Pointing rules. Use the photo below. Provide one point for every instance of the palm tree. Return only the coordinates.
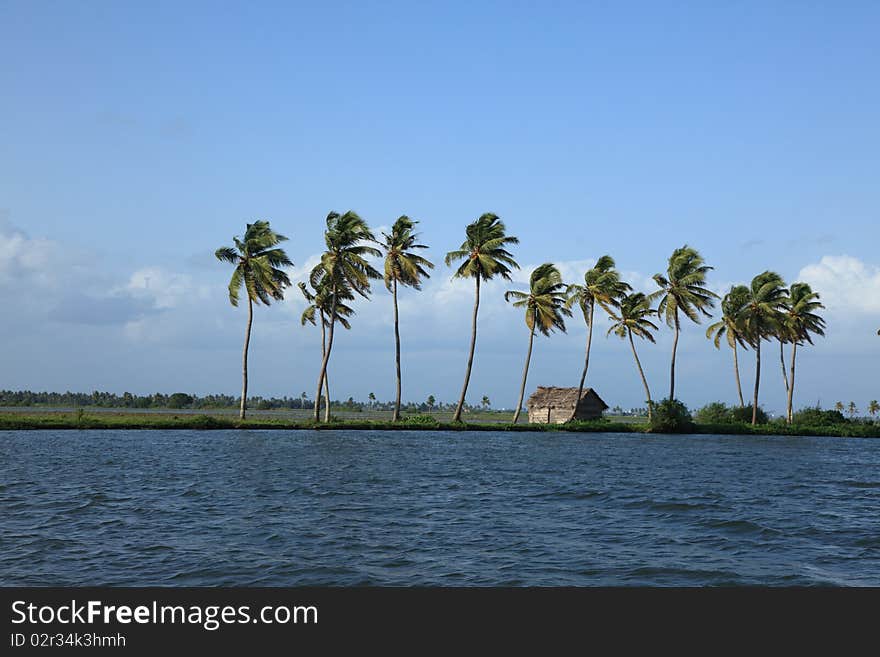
(799, 322)
(602, 285)
(730, 326)
(873, 407)
(484, 258)
(852, 409)
(545, 306)
(344, 269)
(430, 402)
(839, 407)
(258, 268)
(402, 266)
(761, 318)
(631, 319)
(319, 305)
(683, 289)
(485, 403)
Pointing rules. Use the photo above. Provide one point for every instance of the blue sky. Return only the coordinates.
(135, 138)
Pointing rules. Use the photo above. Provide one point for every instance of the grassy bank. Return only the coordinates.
(31, 421)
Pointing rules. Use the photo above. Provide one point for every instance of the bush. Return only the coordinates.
(421, 420)
(744, 414)
(714, 413)
(671, 416)
(816, 417)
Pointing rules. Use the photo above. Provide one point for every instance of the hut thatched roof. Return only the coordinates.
(549, 396)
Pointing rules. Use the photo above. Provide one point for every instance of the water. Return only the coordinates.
(490, 508)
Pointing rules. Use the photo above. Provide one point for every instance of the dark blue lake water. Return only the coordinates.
(334, 508)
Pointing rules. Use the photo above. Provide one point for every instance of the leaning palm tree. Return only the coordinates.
(800, 321)
(683, 289)
(602, 285)
(403, 266)
(484, 258)
(545, 306)
(761, 319)
(730, 326)
(343, 267)
(319, 309)
(873, 407)
(258, 264)
(631, 319)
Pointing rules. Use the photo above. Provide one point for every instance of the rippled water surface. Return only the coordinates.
(302, 508)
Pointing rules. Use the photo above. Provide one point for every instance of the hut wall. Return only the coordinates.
(557, 415)
(589, 409)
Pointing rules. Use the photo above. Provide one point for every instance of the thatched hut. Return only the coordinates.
(549, 405)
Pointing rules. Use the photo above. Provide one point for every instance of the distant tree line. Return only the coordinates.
(184, 400)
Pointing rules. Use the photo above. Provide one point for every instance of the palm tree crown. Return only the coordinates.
(258, 264)
(344, 262)
(800, 318)
(602, 285)
(683, 287)
(483, 251)
(545, 302)
(401, 263)
(733, 307)
(767, 298)
(632, 316)
(320, 304)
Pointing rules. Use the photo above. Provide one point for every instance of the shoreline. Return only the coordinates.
(25, 421)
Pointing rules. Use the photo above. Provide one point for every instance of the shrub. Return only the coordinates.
(816, 417)
(421, 420)
(744, 414)
(714, 413)
(671, 416)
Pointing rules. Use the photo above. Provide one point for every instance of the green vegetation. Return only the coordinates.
(730, 326)
(683, 289)
(258, 268)
(720, 413)
(485, 257)
(632, 318)
(545, 308)
(343, 271)
(602, 285)
(403, 266)
(671, 416)
(421, 422)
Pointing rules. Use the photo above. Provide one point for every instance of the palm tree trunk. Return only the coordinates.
(244, 358)
(522, 388)
(674, 349)
(782, 360)
(789, 416)
(470, 362)
(326, 374)
(322, 375)
(586, 359)
(641, 373)
(757, 383)
(396, 416)
(739, 389)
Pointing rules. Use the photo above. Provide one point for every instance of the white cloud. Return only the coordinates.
(164, 288)
(25, 260)
(846, 284)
